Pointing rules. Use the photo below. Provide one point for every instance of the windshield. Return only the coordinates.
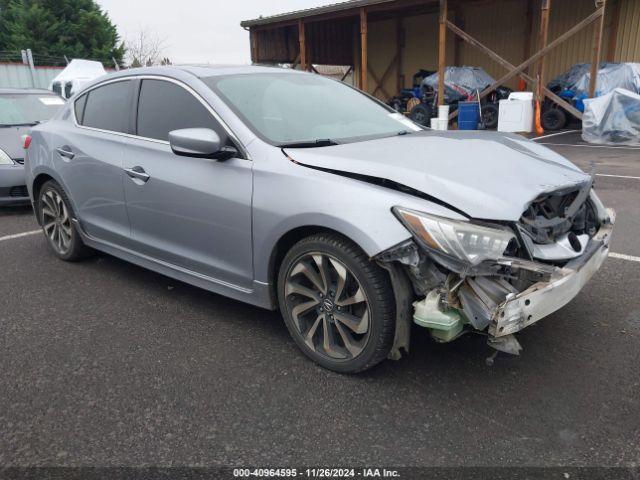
(27, 108)
(287, 108)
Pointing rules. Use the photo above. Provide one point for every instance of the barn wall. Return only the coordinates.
(628, 38)
(501, 25)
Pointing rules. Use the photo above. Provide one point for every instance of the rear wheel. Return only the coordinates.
(553, 119)
(56, 217)
(337, 305)
(421, 114)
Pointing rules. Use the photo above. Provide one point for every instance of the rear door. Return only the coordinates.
(90, 159)
(194, 213)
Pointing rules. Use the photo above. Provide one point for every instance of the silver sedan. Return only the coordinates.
(295, 192)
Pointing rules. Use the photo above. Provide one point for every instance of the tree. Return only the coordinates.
(145, 49)
(58, 28)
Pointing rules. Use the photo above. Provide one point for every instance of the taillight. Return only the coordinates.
(26, 141)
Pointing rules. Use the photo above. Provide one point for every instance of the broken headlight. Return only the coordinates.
(463, 240)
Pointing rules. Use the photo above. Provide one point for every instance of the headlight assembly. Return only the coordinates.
(463, 240)
(5, 159)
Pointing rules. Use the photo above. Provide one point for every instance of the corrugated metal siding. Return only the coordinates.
(500, 26)
(421, 45)
(18, 76)
(628, 42)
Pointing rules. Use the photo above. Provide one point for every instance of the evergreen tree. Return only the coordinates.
(75, 28)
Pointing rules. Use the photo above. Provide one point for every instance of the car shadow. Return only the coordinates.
(463, 360)
(16, 211)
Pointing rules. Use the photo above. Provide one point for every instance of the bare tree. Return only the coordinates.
(144, 49)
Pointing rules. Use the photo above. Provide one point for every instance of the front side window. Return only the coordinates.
(165, 106)
(287, 108)
(108, 107)
(28, 108)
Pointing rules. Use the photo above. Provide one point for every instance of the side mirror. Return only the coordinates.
(201, 143)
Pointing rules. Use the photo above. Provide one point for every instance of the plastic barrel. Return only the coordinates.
(468, 115)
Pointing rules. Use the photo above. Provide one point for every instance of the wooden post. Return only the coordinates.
(442, 50)
(597, 49)
(544, 35)
(363, 50)
(253, 36)
(303, 45)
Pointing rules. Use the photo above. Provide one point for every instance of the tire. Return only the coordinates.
(55, 215)
(396, 104)
(490, 115)
(553, 119)
(359, 317)
(421, 114)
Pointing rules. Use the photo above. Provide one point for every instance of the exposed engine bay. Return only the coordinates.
(559, 242)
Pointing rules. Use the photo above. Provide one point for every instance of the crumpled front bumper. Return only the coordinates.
(543, 298)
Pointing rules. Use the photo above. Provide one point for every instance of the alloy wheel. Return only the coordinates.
(56, 221)
(328, 306)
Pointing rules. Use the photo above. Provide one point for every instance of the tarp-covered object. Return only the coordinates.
(461, 82)
(612, 119)
(76, 74)
(610, 77)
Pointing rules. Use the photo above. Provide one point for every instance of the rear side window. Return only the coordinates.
(79, 108)
(165, 106)
(108, 107)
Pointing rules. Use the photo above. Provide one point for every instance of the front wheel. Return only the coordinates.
(337, 305)
(56, 214)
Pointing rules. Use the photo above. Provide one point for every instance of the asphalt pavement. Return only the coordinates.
(106, 364)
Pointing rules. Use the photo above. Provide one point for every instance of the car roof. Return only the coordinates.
(36, 91)
(201, 71)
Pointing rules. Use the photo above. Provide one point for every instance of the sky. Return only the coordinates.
(198, 31)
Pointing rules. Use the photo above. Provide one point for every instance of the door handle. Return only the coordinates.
(65, 151)
(137, 173)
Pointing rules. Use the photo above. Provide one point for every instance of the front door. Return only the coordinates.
(193, 213)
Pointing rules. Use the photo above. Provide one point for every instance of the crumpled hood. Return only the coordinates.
(11, 140)
(486, 175)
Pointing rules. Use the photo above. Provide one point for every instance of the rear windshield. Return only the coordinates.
(27, 108)
(284, 108)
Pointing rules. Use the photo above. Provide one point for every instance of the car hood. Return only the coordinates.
(11, 140)
(486, 175)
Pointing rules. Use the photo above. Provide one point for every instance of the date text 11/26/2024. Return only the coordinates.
(315, 473)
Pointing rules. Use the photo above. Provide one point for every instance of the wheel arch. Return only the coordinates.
(38, 181)
(284, 244)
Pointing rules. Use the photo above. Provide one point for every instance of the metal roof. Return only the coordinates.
(310, 12)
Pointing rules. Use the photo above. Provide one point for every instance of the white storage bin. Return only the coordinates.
(516, 113)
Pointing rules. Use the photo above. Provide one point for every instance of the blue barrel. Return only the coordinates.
(468, 115)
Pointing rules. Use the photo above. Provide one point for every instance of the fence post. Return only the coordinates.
(32, 67)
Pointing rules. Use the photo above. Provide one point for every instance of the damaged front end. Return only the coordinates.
(499, 277)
